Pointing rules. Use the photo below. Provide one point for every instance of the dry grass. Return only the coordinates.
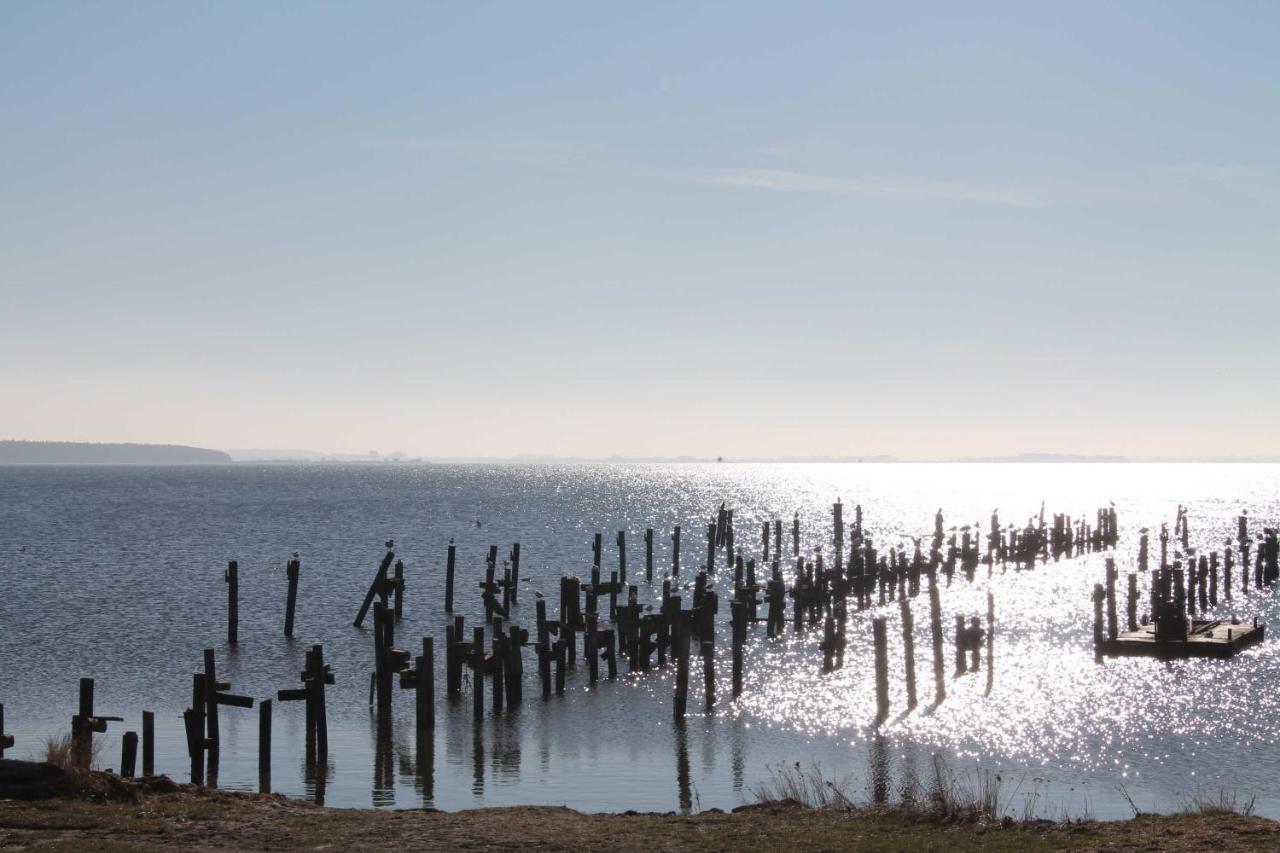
(59, 750)
(1228, 801)
(947, 797)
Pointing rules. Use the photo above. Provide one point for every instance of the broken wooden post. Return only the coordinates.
(622, 555)
(84, 724)
(648, 554)
(680, 650)
(264, 746)
(128, 754)
(1099, 596)
(379, 587)
(399, 589)
(738, 614)
(232, 578)
(314, 677)
(514, 558)
(1131, 603)
(148, 743)
(1112, 621)
(292, 570)
(449, 561)
(6, 740)
(879, 639)
(544, 648)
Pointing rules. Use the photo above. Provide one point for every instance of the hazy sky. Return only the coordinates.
(736, 229)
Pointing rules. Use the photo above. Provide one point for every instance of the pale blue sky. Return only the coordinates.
(740, 229)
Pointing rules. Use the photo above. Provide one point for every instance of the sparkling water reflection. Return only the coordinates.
(117, 573)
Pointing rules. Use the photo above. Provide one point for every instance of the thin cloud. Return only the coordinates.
(779, 180)
(1218, 170)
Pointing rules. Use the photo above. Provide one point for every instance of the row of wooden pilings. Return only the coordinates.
(859, 576)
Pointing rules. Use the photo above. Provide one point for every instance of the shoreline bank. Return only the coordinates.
(105, 813)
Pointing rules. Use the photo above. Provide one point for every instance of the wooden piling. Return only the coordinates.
(292, 570)
(399, 590)
(544, 648)
(148, 743)
(264, 746)
(622, 556)
(680, 650)
(232, 578)
(449, 561)
(1131, 603)
(675, 552)
(378, 587)
(128, 754)
(648, 554)
(962, 636)
(1112, 622)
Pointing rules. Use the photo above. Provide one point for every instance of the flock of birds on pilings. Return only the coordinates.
(603, 621)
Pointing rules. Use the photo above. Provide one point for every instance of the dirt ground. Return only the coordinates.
(192, 819)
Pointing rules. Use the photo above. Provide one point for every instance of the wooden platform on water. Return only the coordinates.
(1206, 640)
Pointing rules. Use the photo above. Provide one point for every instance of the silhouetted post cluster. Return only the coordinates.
(201, 719)
(314, 676)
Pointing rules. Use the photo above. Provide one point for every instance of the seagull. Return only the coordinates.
(391, 543)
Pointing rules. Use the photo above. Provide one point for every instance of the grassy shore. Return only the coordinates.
(192, 819)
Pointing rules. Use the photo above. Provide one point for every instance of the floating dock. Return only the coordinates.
(1207, 639)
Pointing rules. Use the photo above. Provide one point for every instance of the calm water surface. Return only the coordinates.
(116, 573)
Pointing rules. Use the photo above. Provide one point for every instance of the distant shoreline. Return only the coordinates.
(67, 453)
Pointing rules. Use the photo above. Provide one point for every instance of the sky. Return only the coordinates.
(920, 230)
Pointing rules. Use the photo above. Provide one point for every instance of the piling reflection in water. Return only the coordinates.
(315, 779)
(684, 787)
(384, 782)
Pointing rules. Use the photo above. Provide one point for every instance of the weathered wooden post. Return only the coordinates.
(1099, 595)
(1131, 603)
(148, 743)
(589, 649)
(544, 648)
(264, 746)
(1112, 621)
(738, 613)
(84, 724)
(514, 558)
(377, 588)
(879, 639)
(232, 578)
(795, 535)
(128, 754)
(908, 650)
(292, 570)
(449, 561)
(648, 554)
(675, 552)
(939, 657)
(764, 541)
(837, 518)
(709, 669)
(622, 556)
(6, 740)
(680, 650)
(399, 590)
(962, 641)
